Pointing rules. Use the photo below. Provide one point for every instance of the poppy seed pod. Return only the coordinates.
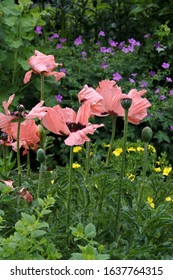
(20, 108)
(126, 103)
(4, 136)
(41, 155)
(146, 134)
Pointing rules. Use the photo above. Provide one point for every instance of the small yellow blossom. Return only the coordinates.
(167, 170)
(157, 169)
(91, 154)
(158, 162)
(131, 177)
(77, 149)
(52, 182)
(117, 151)
(131, 149)
(151, 148)
(168, 198)
(51, 172)
(76, 165)
(140, 149)
(150, 202)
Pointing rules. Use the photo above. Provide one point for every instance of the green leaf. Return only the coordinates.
(90, 231)
(37, 233)
(28, 218)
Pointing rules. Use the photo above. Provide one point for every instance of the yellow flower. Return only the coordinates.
(76, 165)
(151, 148)
(158, 162)
(168, 198)
(52, 182)
(157, 169)
(77, 149)
(140, 149)
(167, 170)
(131, 149)
(150, 202)
(117, 151)
(131, 177)
(91, 154)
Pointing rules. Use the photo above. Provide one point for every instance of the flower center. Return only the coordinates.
(73, 127)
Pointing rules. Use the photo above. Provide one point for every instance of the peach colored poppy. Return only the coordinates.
(28, 135)
(25, 194)
(9, 183)
(42, 64)
(36, 112)
(138, 109)
(66, 122)
(5, 119)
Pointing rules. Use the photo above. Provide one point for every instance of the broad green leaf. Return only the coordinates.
(90, 231)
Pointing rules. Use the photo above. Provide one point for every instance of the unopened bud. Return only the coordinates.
(146, 134)
(4, 136)
(126, 103)
(41, 155)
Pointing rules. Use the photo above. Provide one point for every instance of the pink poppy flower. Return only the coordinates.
(42, 64)
(37, 112)
(138, 109)
(25, 194)
(67, 122)
(112, 95)
(28, 135)
(9, 183)
(5, 119)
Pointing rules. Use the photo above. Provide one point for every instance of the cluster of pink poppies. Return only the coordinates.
(103, 101)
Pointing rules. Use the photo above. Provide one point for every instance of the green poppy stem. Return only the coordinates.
(87, 162)
(122, 173)
(28, 164)
(69, 190)
(4, 148)
(143, 172)
(40, 179)
(111, 140)
(42, 87)
(18, 150)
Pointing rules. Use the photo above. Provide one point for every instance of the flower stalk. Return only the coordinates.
(42, 87)
(69, 190)
(87, 162)
(126, 103)
(111, 140)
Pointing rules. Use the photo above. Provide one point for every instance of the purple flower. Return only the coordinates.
(59, 46)
(133, 42)
(58, 98)
(171, 127)
(104, 65)
(78, 41)
(147, 35)
(125, 50)
(55, 35)
(62, 40)
(112, 43)
(117, 76)
(165, 65)
(157, 90)
(63, 70)
(121, 45)
(131, 80)
(134, 74)
(169, 79)
(152, 73)
(162, 97)
(157, 45)
(171, 92)
(38, 30)
(105, 50)
(102, 33)
(143, 83)
(131, 48)
(84, 55)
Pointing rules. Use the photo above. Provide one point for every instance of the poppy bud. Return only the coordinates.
(20, 108)
(146, 134)
(126, 103)
(41, 155)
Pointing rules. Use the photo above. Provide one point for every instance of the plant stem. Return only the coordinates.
(28, 164)
(42, 88)
(122, 172)
(144, 172)
(87, 162)
(111, 140)
(18, 150)
(69, 190)
(40, 179)
(5, 159)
